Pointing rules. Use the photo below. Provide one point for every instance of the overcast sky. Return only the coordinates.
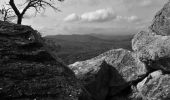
(95, 16)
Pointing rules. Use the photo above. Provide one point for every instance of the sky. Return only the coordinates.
(118, 17)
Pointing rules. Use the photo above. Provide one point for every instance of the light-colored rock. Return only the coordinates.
(161, 21)
(154, 87)
(153, 49)
(120, 68)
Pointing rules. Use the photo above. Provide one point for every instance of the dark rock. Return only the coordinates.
(153, 49)
(161, 21)
(98, 85)
(154, 87)
(113, 71)
(119, 98)
(29, 71)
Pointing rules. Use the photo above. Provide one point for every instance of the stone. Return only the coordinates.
(119, 67)
(152, 49)
(29, 71)
(161, 21)
(156, 86)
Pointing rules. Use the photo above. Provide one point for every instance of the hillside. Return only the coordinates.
(29, 70)
(81, 47)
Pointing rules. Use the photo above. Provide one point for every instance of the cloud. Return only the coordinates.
(72, 17)
(101, 15)
(132, 18)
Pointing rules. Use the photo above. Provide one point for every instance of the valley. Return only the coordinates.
(74, 48)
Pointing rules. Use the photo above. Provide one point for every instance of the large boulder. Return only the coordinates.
(111, 72)
(29, 71)
(156, 86)
(153, 49)
(161, 21)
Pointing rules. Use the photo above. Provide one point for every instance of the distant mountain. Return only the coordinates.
(76, 37)
(112, 37)
(81, 47)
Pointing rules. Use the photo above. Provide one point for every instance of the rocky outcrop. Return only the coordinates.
(153, 49)
(156, 86)
(29, 71)
(141, 74)
(109, 73)
(161, 21)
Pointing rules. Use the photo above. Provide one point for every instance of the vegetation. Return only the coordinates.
(6, 13)
(72, 48)
(38, 5)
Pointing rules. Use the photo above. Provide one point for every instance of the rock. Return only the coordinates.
(119, 98)
(161, 21)
(119, 67)
(29, 71)
(153, 49)
(154, 87)
(98, 85)
(96, 81)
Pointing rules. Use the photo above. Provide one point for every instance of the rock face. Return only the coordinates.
(161, 21)
(153, 49)
(109, 72)
(153, 46)
(156, 86)
(29, 71)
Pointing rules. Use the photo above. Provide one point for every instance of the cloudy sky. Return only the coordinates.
(95, 16)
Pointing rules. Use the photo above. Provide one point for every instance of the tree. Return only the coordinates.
(38, 5)
(6, 13)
